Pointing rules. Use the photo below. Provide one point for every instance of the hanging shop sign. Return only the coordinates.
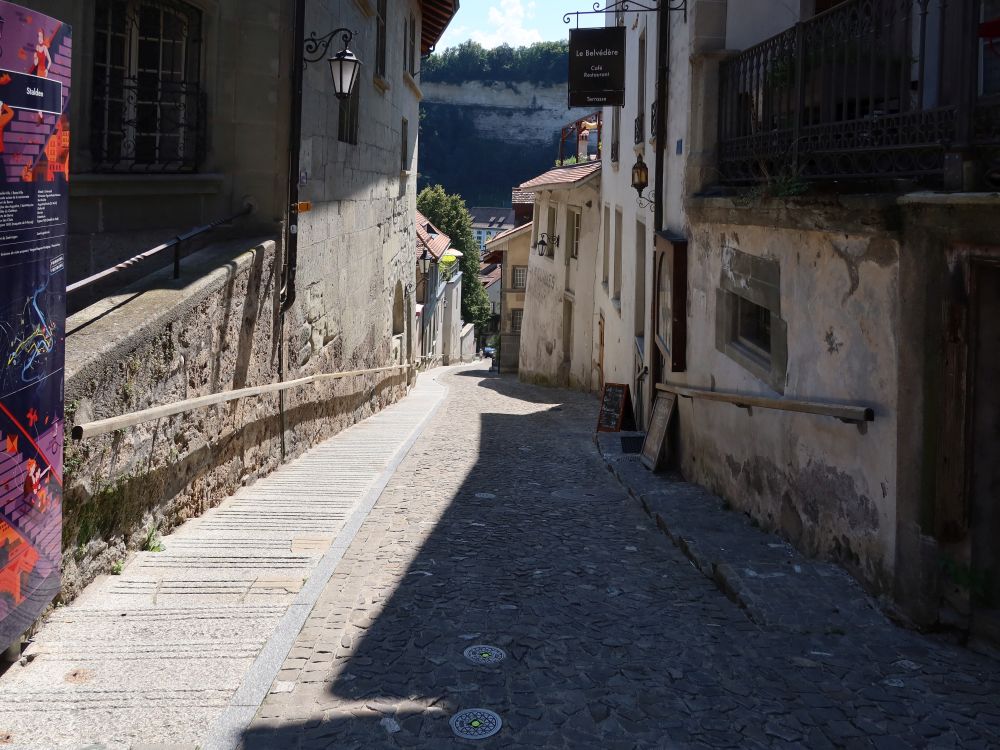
(35, 59)
(597, 67)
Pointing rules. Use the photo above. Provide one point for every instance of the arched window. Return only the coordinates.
(148, 113)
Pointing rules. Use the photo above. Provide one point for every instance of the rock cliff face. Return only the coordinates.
(481, 139)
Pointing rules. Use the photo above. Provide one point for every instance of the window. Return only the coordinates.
(347, 127)
(412, 50)
(640, 126)
(640, 278)
(380, 38)
(405, 147)
(148, 112)
(618, 256)
(752, 327)
(607, 246)
(749, 329)
(519, 278)
(550, 227)
(616, 127)
(516, 318)
(573, 232)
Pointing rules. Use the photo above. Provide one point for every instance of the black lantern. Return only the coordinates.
(640, 176)
(344, 65)
(542, 246)
(425, 261)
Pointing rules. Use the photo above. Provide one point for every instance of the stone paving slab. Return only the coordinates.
(777, 586)
(503, 526)
(158, 654)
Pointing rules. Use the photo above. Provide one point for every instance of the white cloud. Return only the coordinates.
(507, 25)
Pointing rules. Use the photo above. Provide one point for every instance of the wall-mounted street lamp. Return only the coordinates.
(344, 66)
(640, 181)
(425, 261)
(542, 246)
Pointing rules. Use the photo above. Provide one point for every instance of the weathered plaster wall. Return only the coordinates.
(554, 281)
(826, 486)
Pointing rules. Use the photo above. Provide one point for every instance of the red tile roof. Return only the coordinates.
(508, 233)
(563, 176)
(492, 277)
(437, 245)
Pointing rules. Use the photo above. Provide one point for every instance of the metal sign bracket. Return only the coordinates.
(625, 6)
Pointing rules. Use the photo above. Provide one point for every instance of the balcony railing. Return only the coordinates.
(576, 135)
(856, 92)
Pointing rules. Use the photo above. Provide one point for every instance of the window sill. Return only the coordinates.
(410, 81)
(381, 83)
(102, 184)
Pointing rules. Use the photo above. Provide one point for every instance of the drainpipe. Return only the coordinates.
(663, 60)
(294, 152)
(291, 230)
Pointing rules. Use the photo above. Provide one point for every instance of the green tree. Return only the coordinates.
(449, 214)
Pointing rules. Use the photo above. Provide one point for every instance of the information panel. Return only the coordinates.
(35, 61)
(597, 67)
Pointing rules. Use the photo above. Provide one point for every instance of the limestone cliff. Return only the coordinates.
(479, 138)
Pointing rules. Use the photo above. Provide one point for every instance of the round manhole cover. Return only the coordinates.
(582, 496)
(475, 723)
(486, 496)
(485, 654)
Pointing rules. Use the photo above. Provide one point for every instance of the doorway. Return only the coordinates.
(984, 443)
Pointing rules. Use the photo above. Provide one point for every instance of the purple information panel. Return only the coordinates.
(35, 54)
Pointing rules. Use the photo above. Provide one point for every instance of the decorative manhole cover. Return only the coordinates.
(475, 723)
(485, 654)
(486, 496)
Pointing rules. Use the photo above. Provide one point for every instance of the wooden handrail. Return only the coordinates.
(104, 426)
(844, 412)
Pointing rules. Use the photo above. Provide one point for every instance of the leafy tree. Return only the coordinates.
(543, 62)
(449, 214)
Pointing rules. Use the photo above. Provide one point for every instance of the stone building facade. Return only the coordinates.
(512, 250)
(825, 247)
(245, 310)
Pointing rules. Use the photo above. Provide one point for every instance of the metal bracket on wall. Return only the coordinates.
(626, 6)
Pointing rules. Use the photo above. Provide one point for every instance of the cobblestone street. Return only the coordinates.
(503, 527)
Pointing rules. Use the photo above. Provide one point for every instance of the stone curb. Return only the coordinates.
(721, 574)
(777, 586)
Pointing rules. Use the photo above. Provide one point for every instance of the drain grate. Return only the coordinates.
(475, 723)
(632, 444)
(482, 654)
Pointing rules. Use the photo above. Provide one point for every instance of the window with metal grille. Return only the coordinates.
(148, 109)
(573, 218)
(516, 318)
(347, 127)
(520, 280)
(380, 43)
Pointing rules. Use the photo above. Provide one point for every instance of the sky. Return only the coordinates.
(516, 22)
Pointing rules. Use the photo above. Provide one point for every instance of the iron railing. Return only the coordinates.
(856, 92)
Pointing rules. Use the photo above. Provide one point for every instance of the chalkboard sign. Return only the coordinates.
(653, 447)
(615, 404)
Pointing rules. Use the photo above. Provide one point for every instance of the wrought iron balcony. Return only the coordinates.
(640, 128)
(857, 92)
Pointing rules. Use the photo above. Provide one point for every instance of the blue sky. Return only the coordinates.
(516, 22)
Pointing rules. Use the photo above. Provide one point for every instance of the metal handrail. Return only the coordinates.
(174, 243)
(851, 414)
(111, 424)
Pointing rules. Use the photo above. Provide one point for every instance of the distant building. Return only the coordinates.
(487, 223)
(511, 250)
(524, 205)
(439, 296)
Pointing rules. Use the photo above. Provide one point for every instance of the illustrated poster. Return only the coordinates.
(35, 60)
